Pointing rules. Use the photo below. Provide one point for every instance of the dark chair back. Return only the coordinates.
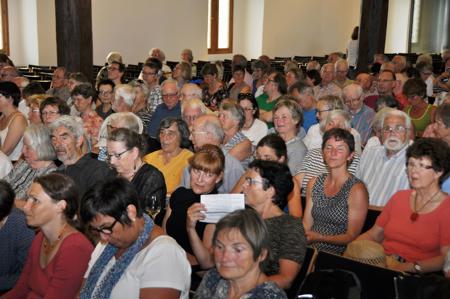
(307, 261)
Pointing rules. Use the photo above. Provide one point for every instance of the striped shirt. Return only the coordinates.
(313, 166)
(383, 176)
(362, 122)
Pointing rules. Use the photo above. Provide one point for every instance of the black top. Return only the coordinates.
(102, 114)
(149, 181)
(86, 172)
(180, 201)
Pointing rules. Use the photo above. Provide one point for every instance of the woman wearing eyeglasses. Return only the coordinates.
(414, 226)
(125, 149)
(135, 259)
(59, 254)
(105, 90)
(254, 128)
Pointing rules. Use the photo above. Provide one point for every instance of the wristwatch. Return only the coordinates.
(418, 268)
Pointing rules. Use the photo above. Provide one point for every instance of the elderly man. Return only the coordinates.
(275, 87)
(386, 86)
(59, 87)
(341, 71)
(191, 110)
(400, 65)
(327, 87)
(382, 168)
(103, 73)
(207, 129)
(304, 95)
(124, 96)
(365, 80)
(190, 91)
(169, 107)
(333, 57)
(361, 114)
(67, 139)
(159, 54)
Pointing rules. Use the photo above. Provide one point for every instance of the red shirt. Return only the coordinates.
(61, 278)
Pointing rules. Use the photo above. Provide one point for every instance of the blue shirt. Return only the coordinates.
(161, 112)
(309, 118)
(362, 122)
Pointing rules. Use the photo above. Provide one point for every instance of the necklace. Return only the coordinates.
(415, 215)
(48, 247)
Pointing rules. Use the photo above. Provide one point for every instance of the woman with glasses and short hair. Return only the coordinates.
(135, 259)
(52, 108)
(125, 149)
(105, 91)
(59, 254)
(254, 128)
(414, 226)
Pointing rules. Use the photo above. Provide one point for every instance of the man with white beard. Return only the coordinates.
(382, 168)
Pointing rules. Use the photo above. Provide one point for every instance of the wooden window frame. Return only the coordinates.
(214, 21)
(5, 29)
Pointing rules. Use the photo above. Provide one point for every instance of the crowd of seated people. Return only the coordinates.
(103, 182)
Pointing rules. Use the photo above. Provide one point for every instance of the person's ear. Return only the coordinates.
(131, 212)
(219, 177)
(263, 255)
(79, 141)
(61, 205)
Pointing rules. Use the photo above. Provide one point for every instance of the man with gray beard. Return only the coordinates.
(382, 168)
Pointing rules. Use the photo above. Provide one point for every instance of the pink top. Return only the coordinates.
(61, 278)
(418, 240)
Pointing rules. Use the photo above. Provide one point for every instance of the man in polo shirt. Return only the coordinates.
(382, 168)
(169, 107)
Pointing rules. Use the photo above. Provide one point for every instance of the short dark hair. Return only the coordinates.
(86, 90)
(412, 72)
(61, 187)
(238, 68)
(120, 64)
(275, 142)
(415, 86)
(436, 150)
(275, 175)
(62, 106)
(32, 89)
(388, 101)
(110, 198)
(7, 197)
(340, 135)
(105, 82)
(252, 227)
(10, 90)
(251, 98)
(78, 76)
(182, 128)
(314, 76)
(209, 69)
(153, 63)
(280, 80)
(390, 72)
(301, 88)
(129, 138)
(259, 64)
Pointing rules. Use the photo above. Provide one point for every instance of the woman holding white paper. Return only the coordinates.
(206, 170)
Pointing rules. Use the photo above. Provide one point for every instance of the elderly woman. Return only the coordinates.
(38, 154)
(15, 233)
(52, 108)
(336, 202)
(239, 269)
(12, 122)
(140, 105)
(232, 118)
(105, 91)
(214, 90)
(414, 227)
(135, 259)
(174, 154)
(182, 73)
(273, 148)
(125, 156)
(288, 118)
(266, 188)
(239, 85)
(59, 254)
(253, 128)
(314, 165)
(34, 103)
(293, 75)
(206, 170)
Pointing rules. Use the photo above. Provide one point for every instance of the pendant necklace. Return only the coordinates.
(48, 247)
(415, 214)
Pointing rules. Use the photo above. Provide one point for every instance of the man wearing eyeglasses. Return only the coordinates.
(169, 107)
(382, 168)
(59, 87)
(386, 85)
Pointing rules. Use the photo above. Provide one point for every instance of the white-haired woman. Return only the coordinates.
(182, 73)
(140, 105)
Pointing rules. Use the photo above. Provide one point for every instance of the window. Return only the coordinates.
(4, 36)
(220, 26)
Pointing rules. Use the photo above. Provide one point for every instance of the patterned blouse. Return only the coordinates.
(235, 140)
(212, 101)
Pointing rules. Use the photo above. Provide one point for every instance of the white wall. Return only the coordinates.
(308, 27)
(46, 31)
(397, 27)
(23, 35)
